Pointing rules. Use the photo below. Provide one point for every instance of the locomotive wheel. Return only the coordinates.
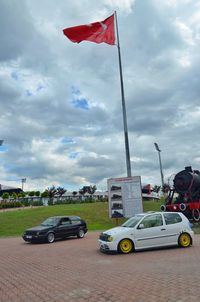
(196, 215)
(184, 240)
(163, 208)
(182, 207)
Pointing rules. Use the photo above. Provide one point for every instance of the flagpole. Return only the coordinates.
(128, 162)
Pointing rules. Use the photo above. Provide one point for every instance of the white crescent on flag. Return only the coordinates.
(104, 28)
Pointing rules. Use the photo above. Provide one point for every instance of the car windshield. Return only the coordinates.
(51, 221)
(131, 222)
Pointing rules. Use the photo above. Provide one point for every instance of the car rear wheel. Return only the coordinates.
(184, 240)
(81, 233)
(50, 238)
(125, 246)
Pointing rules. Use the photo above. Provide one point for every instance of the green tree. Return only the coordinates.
(5, 195)
(45, 194)
(14, 195)
(22, 194)
(156, 188)
(37, 193)
(61, 191)
(92, 189)
(88, 189)
(51, 193)
(31, 193)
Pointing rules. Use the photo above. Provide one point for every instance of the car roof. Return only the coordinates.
(157, 212)
(65, 217)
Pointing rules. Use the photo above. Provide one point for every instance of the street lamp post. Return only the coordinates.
(23, 182)
(161, 172)
(1, 143)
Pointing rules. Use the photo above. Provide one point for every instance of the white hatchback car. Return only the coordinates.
(148, 230)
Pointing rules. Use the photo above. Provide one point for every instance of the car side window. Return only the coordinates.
(65, 221)
(152, 221)
(172, 218)
(75, 221)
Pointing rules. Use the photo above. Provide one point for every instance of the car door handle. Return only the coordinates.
(163, 229)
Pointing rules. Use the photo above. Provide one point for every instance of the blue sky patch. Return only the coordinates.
(67, 140)
(3, 148)
(80, 103)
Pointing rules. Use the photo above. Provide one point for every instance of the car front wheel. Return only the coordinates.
(184, 240)
(125, 246)
(81, 233)
(50, 238)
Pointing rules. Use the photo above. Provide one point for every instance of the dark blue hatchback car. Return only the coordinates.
(57, 227)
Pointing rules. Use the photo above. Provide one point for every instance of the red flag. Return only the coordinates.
(98, 32)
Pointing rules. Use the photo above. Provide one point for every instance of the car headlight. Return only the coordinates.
(110, 238)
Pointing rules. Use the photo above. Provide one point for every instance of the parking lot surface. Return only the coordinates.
(75, 270)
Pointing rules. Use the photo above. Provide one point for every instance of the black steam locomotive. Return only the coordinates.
(185, 194)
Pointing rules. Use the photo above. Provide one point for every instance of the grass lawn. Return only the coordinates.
(13, 223)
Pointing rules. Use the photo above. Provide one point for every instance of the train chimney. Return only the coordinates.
(188, 169)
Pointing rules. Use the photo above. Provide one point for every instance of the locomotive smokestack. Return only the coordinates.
(188, 169)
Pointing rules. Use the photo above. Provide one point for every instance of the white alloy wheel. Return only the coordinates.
(51, 237)
(81, 233)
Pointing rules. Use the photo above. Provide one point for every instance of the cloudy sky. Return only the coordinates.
(61, 114)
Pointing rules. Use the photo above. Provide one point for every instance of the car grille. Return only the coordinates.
(30, 232)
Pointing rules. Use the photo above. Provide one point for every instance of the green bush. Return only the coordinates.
(10, 204)
(37, 203)
(25, 202)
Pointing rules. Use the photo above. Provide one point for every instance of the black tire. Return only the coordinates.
(50, 237)
(81, 233)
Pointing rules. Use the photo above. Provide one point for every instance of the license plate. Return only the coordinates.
(28, 236)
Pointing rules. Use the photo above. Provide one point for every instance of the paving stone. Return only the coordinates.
(74, 270)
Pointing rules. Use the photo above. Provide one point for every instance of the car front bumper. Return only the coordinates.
(106, 246)
(34, 238)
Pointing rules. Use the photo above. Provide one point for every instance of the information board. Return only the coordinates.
(125, 196)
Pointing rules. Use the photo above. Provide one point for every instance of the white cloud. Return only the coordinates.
(61, 115)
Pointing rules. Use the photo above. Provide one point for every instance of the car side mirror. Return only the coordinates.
(141, 226)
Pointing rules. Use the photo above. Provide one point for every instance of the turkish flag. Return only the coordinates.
(98, 32)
